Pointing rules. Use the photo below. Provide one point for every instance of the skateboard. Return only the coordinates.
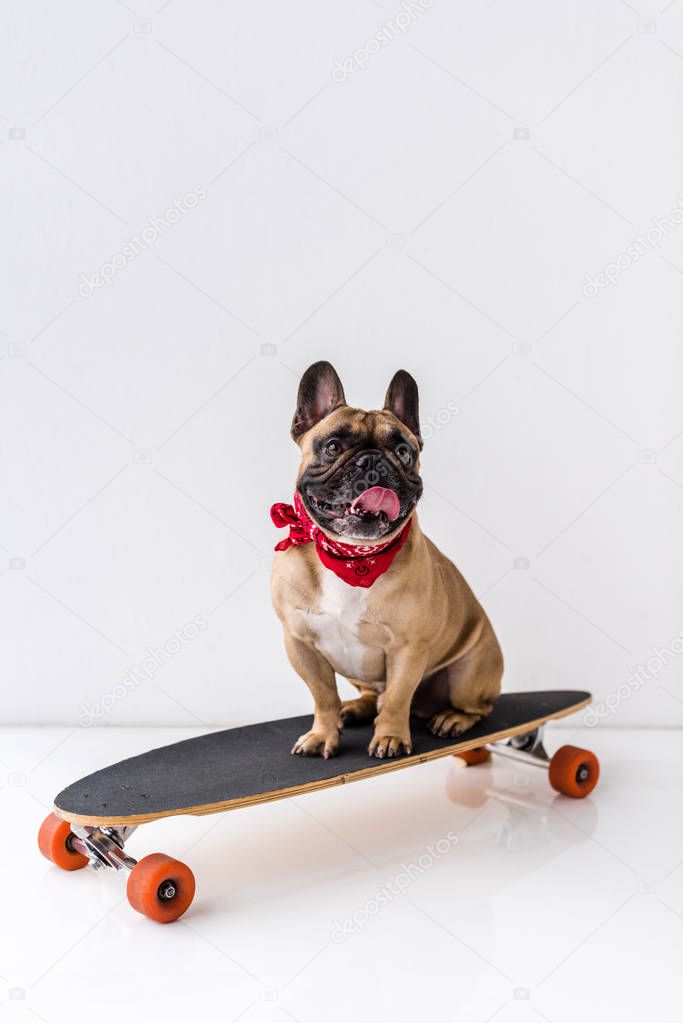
(94, 817)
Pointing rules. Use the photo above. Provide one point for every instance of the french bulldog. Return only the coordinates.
(361, 591)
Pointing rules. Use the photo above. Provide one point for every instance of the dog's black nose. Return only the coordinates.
(371, 468)
(369, 459)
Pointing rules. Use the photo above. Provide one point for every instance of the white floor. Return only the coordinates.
(332, 905)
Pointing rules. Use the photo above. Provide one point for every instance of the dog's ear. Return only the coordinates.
(320, 392)
(402, 399)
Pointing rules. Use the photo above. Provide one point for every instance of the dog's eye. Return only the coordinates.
(405, 454)
(333, 449)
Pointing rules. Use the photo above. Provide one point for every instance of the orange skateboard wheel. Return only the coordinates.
(574, 772)
(160, 887)
(54, 843)
(474, 756)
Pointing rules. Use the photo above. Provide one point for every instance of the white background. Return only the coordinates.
(397, 218)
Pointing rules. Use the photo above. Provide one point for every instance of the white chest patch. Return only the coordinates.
(335, 630)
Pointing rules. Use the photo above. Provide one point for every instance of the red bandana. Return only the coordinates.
(356, 564)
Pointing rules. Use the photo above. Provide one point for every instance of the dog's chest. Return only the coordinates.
(336, 627)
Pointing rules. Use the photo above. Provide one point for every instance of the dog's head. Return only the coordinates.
(359, 476)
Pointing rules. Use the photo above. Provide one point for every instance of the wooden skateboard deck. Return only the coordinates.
(243, 766)
(253, 764)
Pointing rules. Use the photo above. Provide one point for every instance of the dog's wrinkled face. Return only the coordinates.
(359, 474)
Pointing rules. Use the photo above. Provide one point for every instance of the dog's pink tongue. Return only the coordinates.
(376, 500)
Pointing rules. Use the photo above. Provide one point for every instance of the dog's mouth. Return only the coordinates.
(372, 514)
(377, 504)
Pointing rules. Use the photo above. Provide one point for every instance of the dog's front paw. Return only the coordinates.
(323, 744)
(382, 746)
